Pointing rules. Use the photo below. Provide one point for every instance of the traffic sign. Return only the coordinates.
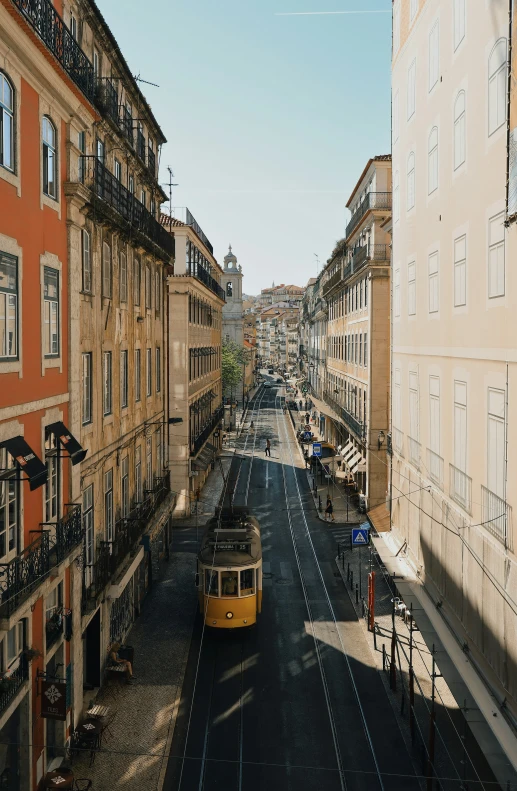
(316, 449)
(360, 536)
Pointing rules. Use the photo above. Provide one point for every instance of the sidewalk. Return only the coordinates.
(344, 512)
(135, 758)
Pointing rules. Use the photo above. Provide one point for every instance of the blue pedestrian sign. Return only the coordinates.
(316, 449)
(360, 536)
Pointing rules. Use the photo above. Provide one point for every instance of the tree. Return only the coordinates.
(233, 357)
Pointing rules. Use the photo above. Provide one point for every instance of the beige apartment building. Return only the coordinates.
(356, 289)
(454, 358)
(195, 410)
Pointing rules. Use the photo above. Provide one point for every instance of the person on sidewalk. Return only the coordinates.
(329, 510)
(268, 448)
(116, 660)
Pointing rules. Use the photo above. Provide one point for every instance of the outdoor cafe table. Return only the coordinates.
(58, 779)
(89, 729)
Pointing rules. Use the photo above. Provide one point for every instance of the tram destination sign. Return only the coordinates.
(230, 546)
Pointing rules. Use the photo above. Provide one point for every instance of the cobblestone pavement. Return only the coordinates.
(133, 758)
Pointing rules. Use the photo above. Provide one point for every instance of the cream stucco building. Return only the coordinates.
(454, 368)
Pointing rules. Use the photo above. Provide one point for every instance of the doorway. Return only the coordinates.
(92, 652)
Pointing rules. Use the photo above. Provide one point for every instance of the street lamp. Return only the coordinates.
(380, 439)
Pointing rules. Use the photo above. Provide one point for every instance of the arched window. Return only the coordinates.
(432, 161)
(6, 123)
(410, 181)
(396, 196)
(229, 289)
(49, 158)
(497, 86)
(459, 130)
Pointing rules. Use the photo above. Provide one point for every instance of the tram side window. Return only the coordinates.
(229, 583)
(247, 581)
(211, 586)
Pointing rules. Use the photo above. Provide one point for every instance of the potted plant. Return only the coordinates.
(32, 653)
(5, 684)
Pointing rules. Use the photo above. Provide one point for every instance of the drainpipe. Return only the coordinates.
(508, 107)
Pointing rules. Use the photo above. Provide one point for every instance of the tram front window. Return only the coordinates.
(211, 586)
(229, 583)
(247, 582)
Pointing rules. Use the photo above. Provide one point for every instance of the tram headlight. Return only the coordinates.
(229, 615)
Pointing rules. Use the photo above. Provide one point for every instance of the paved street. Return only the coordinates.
(296, 702)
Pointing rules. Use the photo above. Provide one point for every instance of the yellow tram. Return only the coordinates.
(229, 578)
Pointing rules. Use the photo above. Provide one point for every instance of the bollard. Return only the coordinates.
(347, 570)
(384, 657)
(351, 579)
(319, 503)
(343, 561)
(356, 593)
(339, 551)
(375, 636)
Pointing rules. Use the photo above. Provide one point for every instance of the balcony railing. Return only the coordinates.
(198, 442)
(151, 160)
(140, 145)
(414, 451)
(435, 467)
(126, 124)
(51, 29)
(352, 422)
(54, 627)
(106, 99)
(331, 282)
(183, 214)
(374, 200)
(460, 488)
(109, 190)
(209, 281)
(11, 683)
(26, 571)
(496, 516)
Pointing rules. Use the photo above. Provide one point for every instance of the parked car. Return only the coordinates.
(268, 384)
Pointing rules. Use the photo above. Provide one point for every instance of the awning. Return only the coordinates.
(350, 452)
(349, 446)
(27, 461)
(205, 457)
(68, 441)
(354, 463)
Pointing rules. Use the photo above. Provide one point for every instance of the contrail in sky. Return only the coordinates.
(326, 13)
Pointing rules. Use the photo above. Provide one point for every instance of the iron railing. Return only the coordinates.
(355, 425)
(496, 516)
(126, 125)
(197, 442)
(26, 571)
(209, 281)
(54, 627)
(140, 145)
(11, 684)
(96, 575)
(374, 200)
(435, 467)
(51, 29)
(460, 488)
(414, 451)
(106, 99)
(151, 160)
(109, 190)
(332, 281)
(184, 215)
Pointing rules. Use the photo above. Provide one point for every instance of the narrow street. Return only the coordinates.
(297, 701)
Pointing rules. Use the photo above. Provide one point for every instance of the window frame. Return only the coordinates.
(8, 112)
(123, 282)
(434, 56)
(411, 91)
(109, 522)
(432, 161)
(86, 252)
(460, 262)
(460, 127)
(9, 294)
(47, 341)
(107, 270)
(158, 369)
(49, 159)
(411, 172)
(11, 503)
(138, 375)
(107, 384)
(124, 379)
(434, 282)
(149, 372)
(411, 296)
(87, 388)
(496, 246)
(494, 79)
(137, 281)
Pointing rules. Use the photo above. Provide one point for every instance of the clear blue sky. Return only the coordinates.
(269, 119)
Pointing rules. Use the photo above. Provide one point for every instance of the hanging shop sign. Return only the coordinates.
(53, 699)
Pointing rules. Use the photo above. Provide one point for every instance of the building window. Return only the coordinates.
(434, 299)
(149, 378)
(138, 475)
(99, 150)
(395, 117)
(51, 311)
(106, 270)
(148, 282)
(411, 288)
(122, 259)
(52, 486)
(87, 261)
(432, 163)
(49, 158)
(107, 384)
(460, 436)
(124, 488)
(143, 198)
(87, 388)
(118, 170)
(88, 524)
(159, 371)
(16, 640)
(131, 184)
(410, 181)
(460, 271)
(414, 419)
(73, 25)
(81, 142)
(411, 90)
(229, 289)
(157, 291)
(108, 505)
(496, 443)
(413, 8)
(497, 86)
(396, 196)
(459, 22)
(496, 256)
(396, 26)
(365, 350)
(138, 374)
(149, 462)
(8, 307)
(96, 63)
(434, 55)
(9, 504)
(136, 280)
(459, 130)
(6, 123)
(124, 379)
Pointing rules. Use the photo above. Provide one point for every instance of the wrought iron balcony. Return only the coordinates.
(11, 683)
(355, 425)
(106, 99)
(201, 274)
(414, 452)
(184, 214)
(130, 211)
(54, 627)
(151, 160)
(374, 200)
(197, 442)
(332, 282)
(126, 125)
(140, 145)
(496, 516)
(51, 29)
(460, 488)
(359, 257)
(30, 568)
(435, 467)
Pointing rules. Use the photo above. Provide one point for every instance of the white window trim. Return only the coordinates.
(52, 203)
(52, 261)
(14, 177)
(11, 247)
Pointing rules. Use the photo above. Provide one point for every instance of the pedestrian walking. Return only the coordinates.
(300, 405)
(268, 448)
(329, 510)
(307, 418)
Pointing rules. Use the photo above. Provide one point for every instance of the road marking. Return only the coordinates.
(267, 475)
